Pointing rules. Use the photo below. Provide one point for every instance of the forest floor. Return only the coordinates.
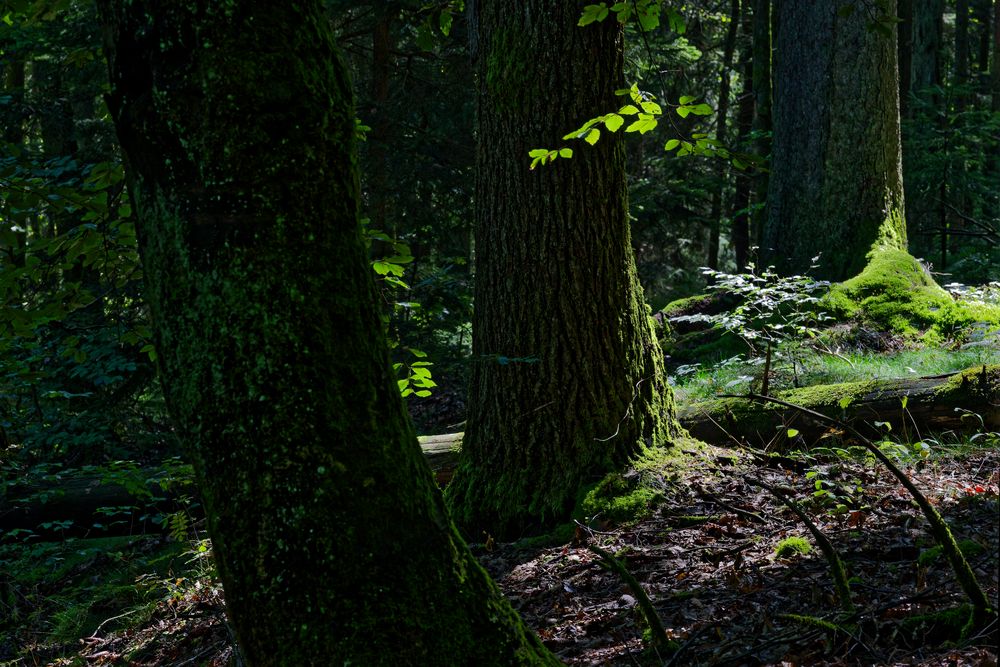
(706, 557)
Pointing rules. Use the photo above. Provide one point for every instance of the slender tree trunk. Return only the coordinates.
(904, 43)
(722, 116)
(983, 10)
(836, 187)
(744, 123)
(926, 38)
(568, 379)
(923, 98)
(328, 531)
(13, 133)
(996, 59)
(762, 92)
(963, 97)
(381, 123)
(962, 52)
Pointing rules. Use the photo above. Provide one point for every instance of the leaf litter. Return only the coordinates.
(706, 559)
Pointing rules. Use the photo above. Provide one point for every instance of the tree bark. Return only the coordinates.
(328, 532)
(962, 52)
(567, 379)
(762, 126)
(744, 126)
(721, 118)
(996, 61)
(835, 189)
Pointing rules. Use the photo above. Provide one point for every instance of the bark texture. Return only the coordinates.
(331, 540)
(721, 122)
(568, 379)
(835, 187)
(995, 73)
(762, 123)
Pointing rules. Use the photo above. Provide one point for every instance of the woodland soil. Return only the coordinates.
(707, 560)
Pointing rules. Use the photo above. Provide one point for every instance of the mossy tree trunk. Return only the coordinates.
(835, 187)
(568, 378)
(331, 540)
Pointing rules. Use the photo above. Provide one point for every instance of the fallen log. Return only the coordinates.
(965, 401)
(908, 408)
(74, 504)
(441, 452)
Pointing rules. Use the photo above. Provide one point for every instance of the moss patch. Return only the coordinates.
(791, 546)
(896, 293)
(893, 291)
(635, 494)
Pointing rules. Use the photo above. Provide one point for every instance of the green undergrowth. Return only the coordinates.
(703, 381)
(54, 594)
(930, 556)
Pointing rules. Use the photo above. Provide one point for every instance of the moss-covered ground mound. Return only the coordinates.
(896, 293)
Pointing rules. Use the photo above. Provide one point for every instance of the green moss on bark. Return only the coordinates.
(568, 380)
(331, 539)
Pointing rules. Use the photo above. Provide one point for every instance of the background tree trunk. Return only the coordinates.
(762, 126)
(996, 58)
(836, 185)
(721, 117)
(744, 125)
(962, 53)
(328, 532)
(904, 43)
(567, 379)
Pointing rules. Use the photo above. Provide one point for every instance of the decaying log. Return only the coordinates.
(92, 505)
(441, 452)
(86, 505)
(964, 401)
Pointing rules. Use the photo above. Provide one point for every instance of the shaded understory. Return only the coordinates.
(705, 555)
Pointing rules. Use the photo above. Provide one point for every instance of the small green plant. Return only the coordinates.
(413, 377)
(969, 548)
(792, 546)
(774, 314)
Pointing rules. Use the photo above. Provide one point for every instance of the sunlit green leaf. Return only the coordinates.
(613, 122)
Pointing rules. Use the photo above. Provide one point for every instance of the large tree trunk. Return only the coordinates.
(568, 379)
(329, 533)
(836, 186)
